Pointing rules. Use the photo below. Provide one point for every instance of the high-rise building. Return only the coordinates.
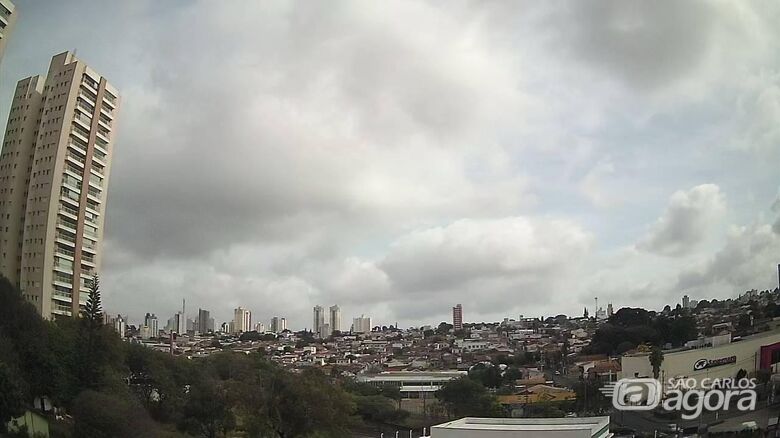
(8, 15)
(335, 318)
(325, 331)
(361, 324)
(275, 324)
(119, 324)
(260, 327)
(54, 168)
(150, 321)
(205, 323)
(242, 320)
(686, 302)
(457, 317)
(180, 323)
(282, 324)
(610, 310)
(318, 320)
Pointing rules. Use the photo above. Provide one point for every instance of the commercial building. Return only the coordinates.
(584, 427)
(242, 320)
(716, 357)
(335, 318)
(457, 317)
(361, 324)
(412, 384)
(8, 15)
(54, 169)
(318, 319)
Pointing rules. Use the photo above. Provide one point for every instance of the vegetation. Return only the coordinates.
(631, 327)
(466, 397)
(112, 388)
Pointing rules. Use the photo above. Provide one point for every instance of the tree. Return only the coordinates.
(656, 359)
(207, 411)
(98, 414)
(11, 396)
(93, 312)
(464, 397)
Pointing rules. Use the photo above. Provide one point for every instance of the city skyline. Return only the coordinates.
(507, 165)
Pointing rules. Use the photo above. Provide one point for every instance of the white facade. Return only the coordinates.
(584, 427)
(722, 360)
(361, 324)
(242, 320)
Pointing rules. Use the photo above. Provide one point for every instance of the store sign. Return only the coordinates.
(702, 364)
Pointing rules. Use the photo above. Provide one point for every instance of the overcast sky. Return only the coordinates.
(400, 157)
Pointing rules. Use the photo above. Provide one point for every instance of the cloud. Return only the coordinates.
(502, 155)
(686, 222)
(746, 261)
(508, 256)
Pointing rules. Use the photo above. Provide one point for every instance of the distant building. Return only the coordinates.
(610, 310)
(119, 325)
(457, 317)
(150, 322)
(260, 327)
(686, 302)
(282, 324)
(205, 322)
(276, 324)
(318, 319)
(335, 318)
(325, 331)
(7, 21)
(242, 320)
(361, 324)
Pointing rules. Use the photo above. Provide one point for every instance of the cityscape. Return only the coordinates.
(318, 219)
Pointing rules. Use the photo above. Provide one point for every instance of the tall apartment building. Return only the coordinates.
(54, 169)
(205, 322)
(242, 320)
(457, 317)
(282, 324)
(8, 15)
(335, 318)
(318, 319)
(362, 324)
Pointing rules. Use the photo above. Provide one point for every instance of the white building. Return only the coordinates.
(583, 427)
(361, 324)
(242, 320)
(412, 383)
(716, 357)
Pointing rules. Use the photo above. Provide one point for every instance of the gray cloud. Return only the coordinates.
(686, 222)
(281, 155)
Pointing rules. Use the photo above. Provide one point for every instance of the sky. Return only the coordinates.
(398, 158)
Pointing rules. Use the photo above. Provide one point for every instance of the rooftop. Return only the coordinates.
(527, 427)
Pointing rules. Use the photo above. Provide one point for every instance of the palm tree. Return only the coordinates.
(656, 359)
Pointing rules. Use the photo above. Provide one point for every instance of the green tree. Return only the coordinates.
(465, 397)
(656, 359)
(11, 396)
(207, 411)
(99, 415)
